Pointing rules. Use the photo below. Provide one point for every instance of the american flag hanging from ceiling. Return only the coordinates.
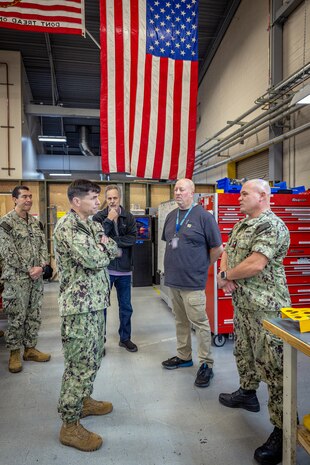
(149, 82)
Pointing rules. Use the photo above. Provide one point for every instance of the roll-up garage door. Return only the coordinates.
(254, 167)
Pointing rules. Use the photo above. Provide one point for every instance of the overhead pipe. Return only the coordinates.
(287, 84)
(55, 92)
(240, 133)
(83, 144)
(262, 125)
(257, 148)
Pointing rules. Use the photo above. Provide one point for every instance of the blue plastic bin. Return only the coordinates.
(228, 186)
(298, 189)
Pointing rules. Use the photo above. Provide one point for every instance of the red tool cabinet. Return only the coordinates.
(294, 210)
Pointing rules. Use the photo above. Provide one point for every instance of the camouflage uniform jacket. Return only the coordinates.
(268, 235)
(82, 265)
(22, 245)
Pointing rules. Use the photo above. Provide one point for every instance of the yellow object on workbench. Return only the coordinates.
(301, 315)
(307, 421)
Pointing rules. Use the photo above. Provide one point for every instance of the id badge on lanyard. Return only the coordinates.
(174, 242)
(178, 224)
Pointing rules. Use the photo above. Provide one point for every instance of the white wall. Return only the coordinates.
(13, 144)
(238, 74)
(296, 53)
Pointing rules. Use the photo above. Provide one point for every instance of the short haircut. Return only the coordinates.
(261, 185)
(81, 187)
(17, 189)
(189, 182)
(109, 187)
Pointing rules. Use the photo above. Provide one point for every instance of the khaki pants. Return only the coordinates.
(189, 308)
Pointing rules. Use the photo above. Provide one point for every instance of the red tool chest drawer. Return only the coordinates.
(294, 210)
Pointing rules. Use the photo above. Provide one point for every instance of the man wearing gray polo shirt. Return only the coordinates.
(193, 243)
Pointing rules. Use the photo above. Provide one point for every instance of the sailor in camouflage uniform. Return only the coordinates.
(23, 255)
(252, 269)
(83, 253)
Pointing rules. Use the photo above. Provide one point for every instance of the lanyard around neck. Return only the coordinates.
(178, 224)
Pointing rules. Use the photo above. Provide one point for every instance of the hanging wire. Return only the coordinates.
(305, 40)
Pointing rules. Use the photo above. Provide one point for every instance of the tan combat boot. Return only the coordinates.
(31, 354)
(95, 407)
(75, 435)
(15, 364)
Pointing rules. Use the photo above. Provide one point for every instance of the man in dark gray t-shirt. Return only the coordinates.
(193, 243)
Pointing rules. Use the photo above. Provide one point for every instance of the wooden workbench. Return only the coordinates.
(293, 341)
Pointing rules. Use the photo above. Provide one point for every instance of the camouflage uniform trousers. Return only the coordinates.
(259, 357)
(22, 301)
(83, 346)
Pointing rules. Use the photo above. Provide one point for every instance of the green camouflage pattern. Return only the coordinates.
(268, 235)
(82, 265)
(258, 353)
(22, 246)
(22, 303)
(83, 344)
(259, 357)
(84, 293)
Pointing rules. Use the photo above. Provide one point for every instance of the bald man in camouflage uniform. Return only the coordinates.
(252, 269)
(23, 255)
(82, 256)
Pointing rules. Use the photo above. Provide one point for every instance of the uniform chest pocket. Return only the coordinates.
(241, 247)
(244, 242)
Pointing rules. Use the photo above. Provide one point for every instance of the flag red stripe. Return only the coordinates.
(119, 85)
(38, 6)
(104, 92)
(46, 18)
(161, 119)
(144, 140)
(192, 120)
(177, 100)
(134, 49)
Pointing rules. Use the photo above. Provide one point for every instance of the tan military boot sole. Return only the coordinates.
(15, 370)
(34, 355)
(80, 438)
(15, 364)
(95, 407)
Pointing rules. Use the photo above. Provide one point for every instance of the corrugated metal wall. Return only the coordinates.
(254, 167)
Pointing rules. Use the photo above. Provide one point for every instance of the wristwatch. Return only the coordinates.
(223, 275)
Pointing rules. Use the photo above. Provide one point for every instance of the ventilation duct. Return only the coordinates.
(84, 147)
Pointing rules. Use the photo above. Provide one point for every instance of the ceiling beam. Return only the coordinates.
(211, 53)
(285, 10)
(61, 112)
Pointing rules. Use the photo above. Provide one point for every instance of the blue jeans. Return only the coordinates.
(123, 289)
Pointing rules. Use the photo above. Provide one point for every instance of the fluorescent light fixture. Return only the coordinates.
(302, 97)
(60, 174)
(61, 139)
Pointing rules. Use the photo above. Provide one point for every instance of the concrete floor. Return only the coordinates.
(159, 416)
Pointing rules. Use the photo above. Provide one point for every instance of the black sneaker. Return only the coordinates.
(129, 345)
(204, 374)
(176, 362)
(270, 453)
(242, 398)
